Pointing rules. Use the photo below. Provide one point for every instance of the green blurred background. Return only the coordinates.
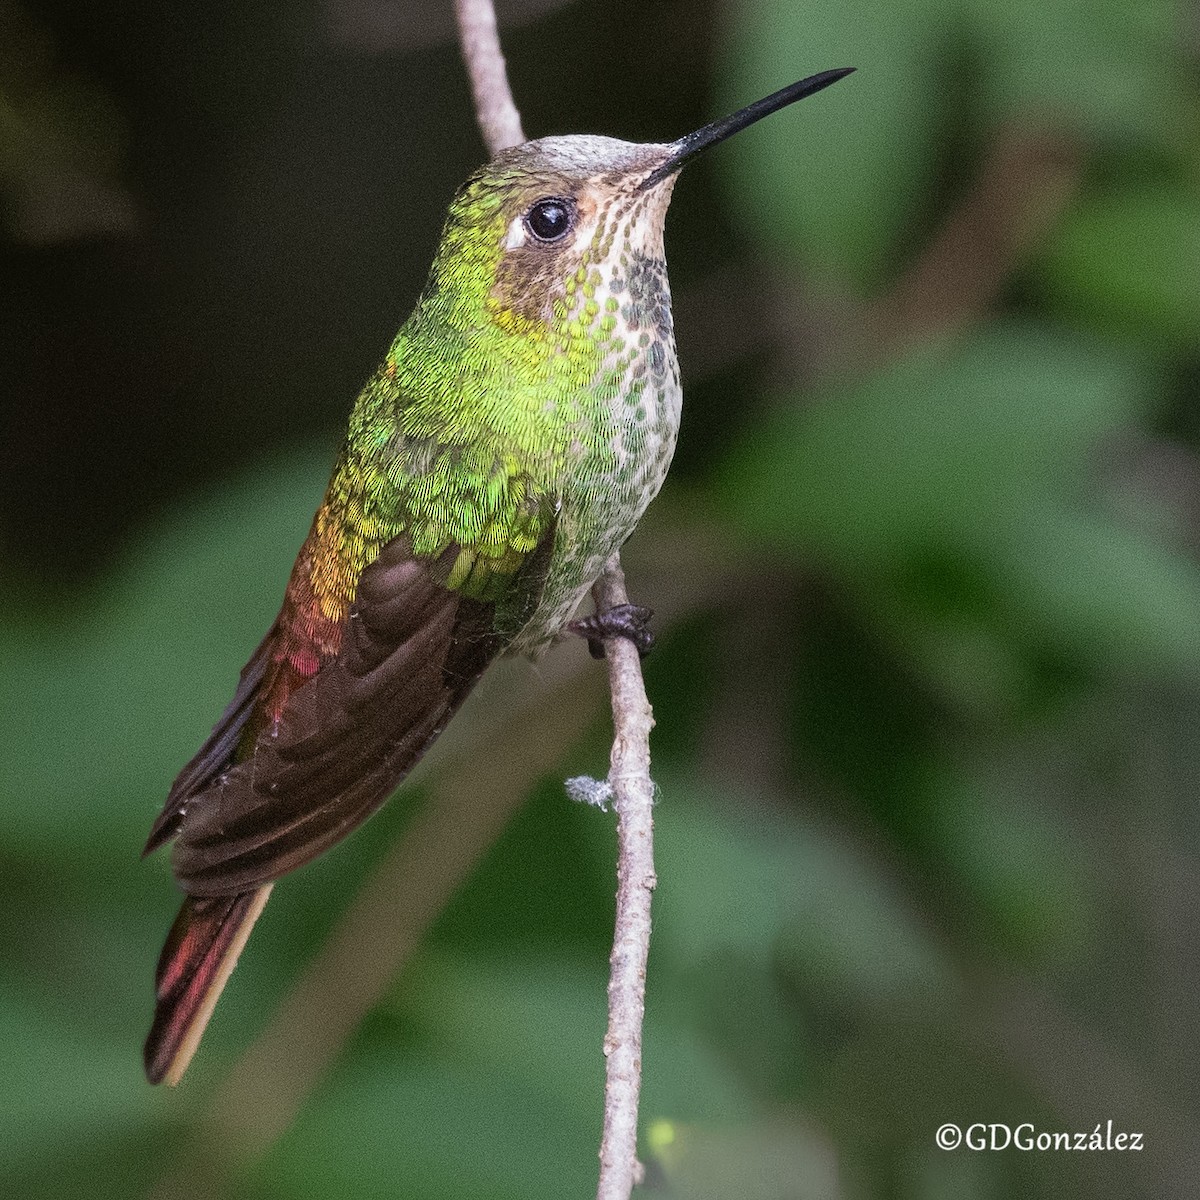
(928, 680)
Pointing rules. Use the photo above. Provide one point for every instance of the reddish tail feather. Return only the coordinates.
(199, 955)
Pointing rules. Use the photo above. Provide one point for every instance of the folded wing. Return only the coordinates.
(411, 650)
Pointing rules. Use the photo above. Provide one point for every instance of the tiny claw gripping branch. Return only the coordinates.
(629, 621)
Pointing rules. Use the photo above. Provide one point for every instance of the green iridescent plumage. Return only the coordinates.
(518, 427)
(516, 396)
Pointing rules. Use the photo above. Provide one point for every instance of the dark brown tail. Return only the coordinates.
(199, 955)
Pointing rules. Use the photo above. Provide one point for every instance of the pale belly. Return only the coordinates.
(603, 504)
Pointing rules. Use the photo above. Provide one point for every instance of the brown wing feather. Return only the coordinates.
(218, 751)
(411, 651)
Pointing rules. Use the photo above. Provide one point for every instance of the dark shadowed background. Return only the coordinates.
(928, 680)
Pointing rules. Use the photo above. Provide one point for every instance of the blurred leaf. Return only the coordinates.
(790, 895)
(840, 185)
(951, 495)
(1108, 68)
(1128, 262)
(1019, 862)
(427, 1128)
(63, 1086)
(805, 183)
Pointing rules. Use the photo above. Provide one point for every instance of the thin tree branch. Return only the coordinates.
(499, 120)
(629, 776)
(633, 798)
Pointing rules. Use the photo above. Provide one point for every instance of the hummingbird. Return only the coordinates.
(514, 434)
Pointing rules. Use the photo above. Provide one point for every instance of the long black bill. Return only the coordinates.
(692, 144)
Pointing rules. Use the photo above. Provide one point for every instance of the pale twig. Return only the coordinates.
(633, 798)
(633, 791)
(499, 120)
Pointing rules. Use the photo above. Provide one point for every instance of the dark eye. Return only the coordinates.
(550, 219)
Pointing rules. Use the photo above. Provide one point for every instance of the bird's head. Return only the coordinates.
(535, 235)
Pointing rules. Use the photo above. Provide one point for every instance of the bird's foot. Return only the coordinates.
(626, 620)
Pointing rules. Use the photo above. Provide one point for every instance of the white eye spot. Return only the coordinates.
(516, 234)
